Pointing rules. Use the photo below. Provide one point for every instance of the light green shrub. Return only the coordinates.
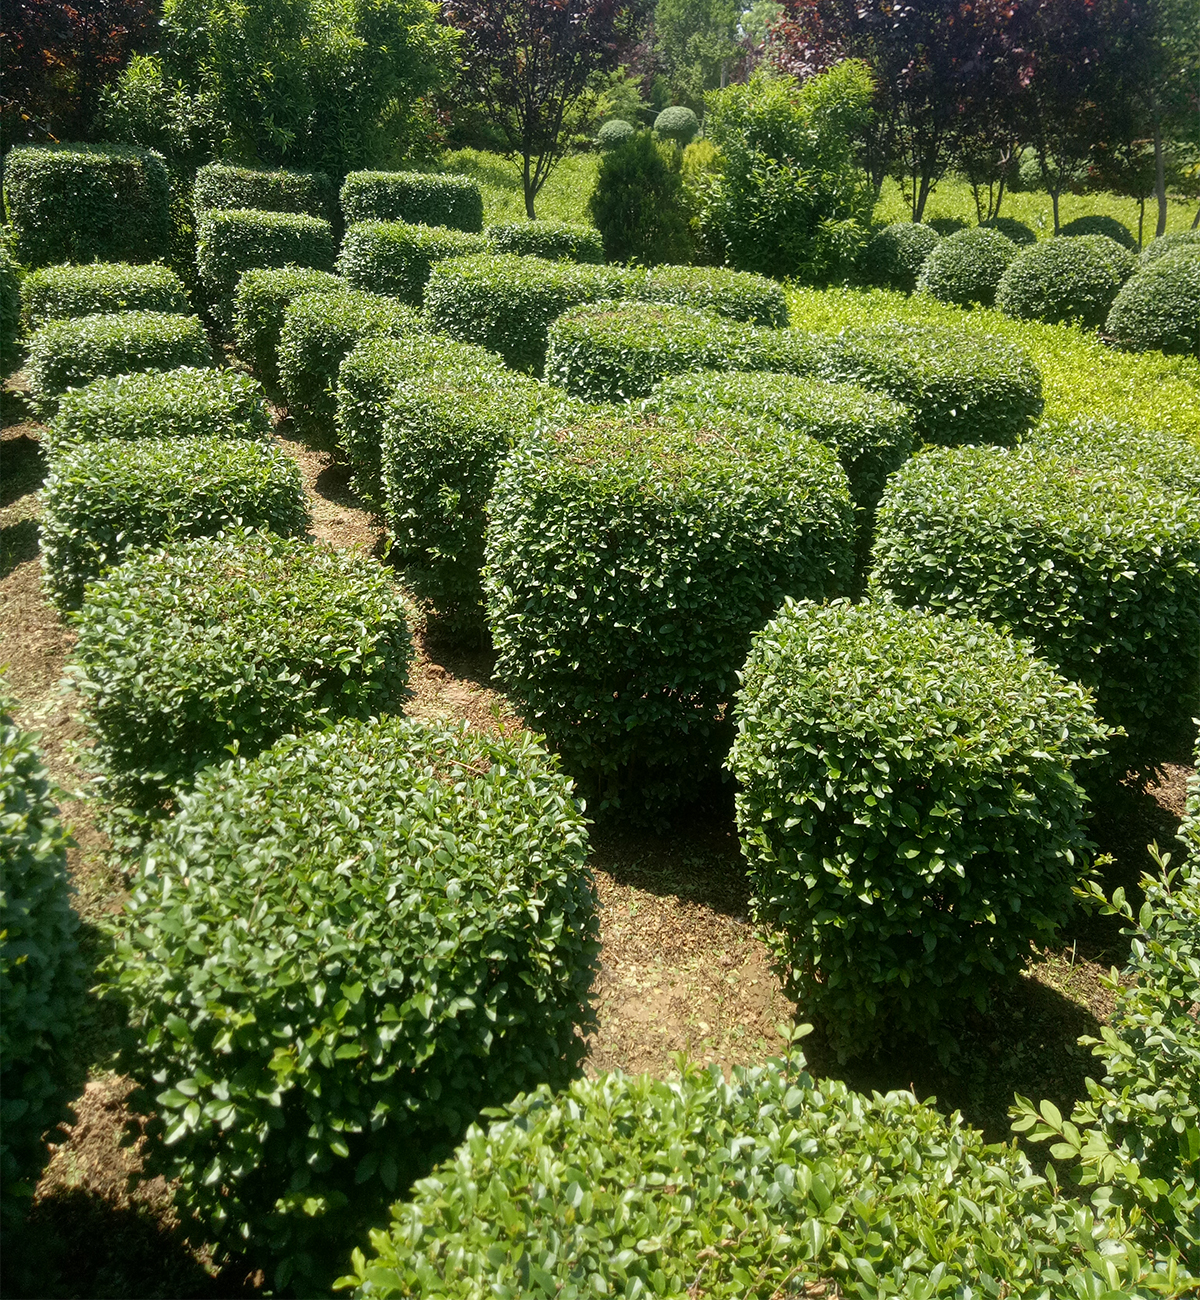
(1168, 244)
(614, 134)
(1159, 306)
(1065, 280)
(418, 198)
(260, 301)
(61, 292)
(736, 294)
(395, 258)
(219, 185)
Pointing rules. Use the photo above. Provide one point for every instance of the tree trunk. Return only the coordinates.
(1141, 219)
(530, 192)
(1160, 181)
(1054, 193)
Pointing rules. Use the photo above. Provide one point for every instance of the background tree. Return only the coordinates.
(696, 42)
(638, 203)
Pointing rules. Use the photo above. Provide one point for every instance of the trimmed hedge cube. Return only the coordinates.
(87, 202)
(909, 809)
(103, 499)
(736, 294)
(70, 353)
(219, 185)
(418, 198)
(1159, 305)
(63, 292)
(966, 268)
(629, 558)
(260, 302)
(894, 257)
(552, 240)
(1062, 280)
(396, 258)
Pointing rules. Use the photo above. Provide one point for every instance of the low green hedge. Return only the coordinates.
(396, 258)
(42, 976)
(61, 292)
(1159, 306)
(66, 354)
(354, 996)
(87, 202)
(10, 305)
(894, 257)
(235, 640)
(1096, 224)
(629, 558)
(552, 240)
(966, 267)
(507, 303)
(103, 499)
(909, 809)
(1177, 239)
(261, 299)
(736, 294)
(1097, 565)
(419, 198)
(318, 330)
(219, 185)
(1061, 280)
(1160, 456)
(161, 404)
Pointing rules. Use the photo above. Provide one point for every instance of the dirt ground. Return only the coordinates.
(682, 968)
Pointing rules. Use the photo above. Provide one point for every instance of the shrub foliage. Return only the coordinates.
(895, 255)
(60, 292)
(553, 240)
(966, 268)
(260, 301)
(394, 257)
(1159, 306)
(1065, 280)
(736, 294)
(1098, 224)
(232, 240)
(219, 185)
(418, 198)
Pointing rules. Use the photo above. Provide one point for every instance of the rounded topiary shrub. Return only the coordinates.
(1159, 306)
(86, 203)
(10, 304)
(161, 404)
(966, 267)
(219, 185)
(1109, 227)
(66, 354)
(629, 558)
(419, 198)
(506, 303)
(60, 292)
(678, 123)
(552, 240)
(354, 996)
(262, 297)
(103, 499)
(235, 640)
(737, 294)
(1065, 280)
(1099, 566)
(318, 330)
(909, 811)
(394, 257)
(1021, 234)
(614, 134)
(894, 257)
(1157, 248)
(42, 976)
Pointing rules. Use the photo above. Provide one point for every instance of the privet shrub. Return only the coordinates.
(103, 499)
(262, 297)
(1011, 228)
(394, 257)
(418, 198)
(1098, 566)
(66, 354)
(1156, 248)
(352, 998)
(1159, 306)
(553, 240)
(161, 404)
(677, 123)
(736, 294)
(233, 240)
(612, 135)
(894, 257)
(1096, 224)
(966, 268)
(1065, 280)
(87, 202)
(235, 640)
(60, 292)
(371, 373)
(506, 303)
(41, 973)
(10, 304)
(629, 558)
(908, 809)
(219, 185)
(318, 330)
(640, 1186)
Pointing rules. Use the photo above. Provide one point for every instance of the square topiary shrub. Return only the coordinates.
(63, 292)
(554, 241)
(220, 185)
(394, 257)
(260, 303)
(739, 295)
(418, 198)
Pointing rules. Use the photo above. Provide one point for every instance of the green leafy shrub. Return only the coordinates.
(87, 202)
(736, 294)
(1097, 224)
(909, 811)
(629, 558)
(1159, 305)
(1021, 234)
(552, 240)
(506, 303)
(1065, 280)
(10, 304)
(103, 499)
(395, 258)
(61, 292)
(895, 255)
(417, 198)
(428, 953)
(751, 1187)
(1159, 456)
(161, 404)
(235, 640)
(612, 135)
(219, 185)
(966, 267)
(66, 354)
(318, 330)
(41, 972)
(677, 123)
(1189, 827)
(1177, 239)
(1098, 566)
(260, 301)
(638, 204)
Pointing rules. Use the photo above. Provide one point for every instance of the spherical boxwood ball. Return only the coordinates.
(678, 123)
(966, 268)
(894, 257)
(1065, 280)
(1013, 229)
(1156, 248)
(614, 134)
(1100, 225)
(1159, 306)
(908, 808)
(388, 925)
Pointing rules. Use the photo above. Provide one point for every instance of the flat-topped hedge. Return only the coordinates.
(221, 185)
(61, 292)
(395, 257)
(552, 240)
(261, 299)
(418, 198)
(739, 295)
